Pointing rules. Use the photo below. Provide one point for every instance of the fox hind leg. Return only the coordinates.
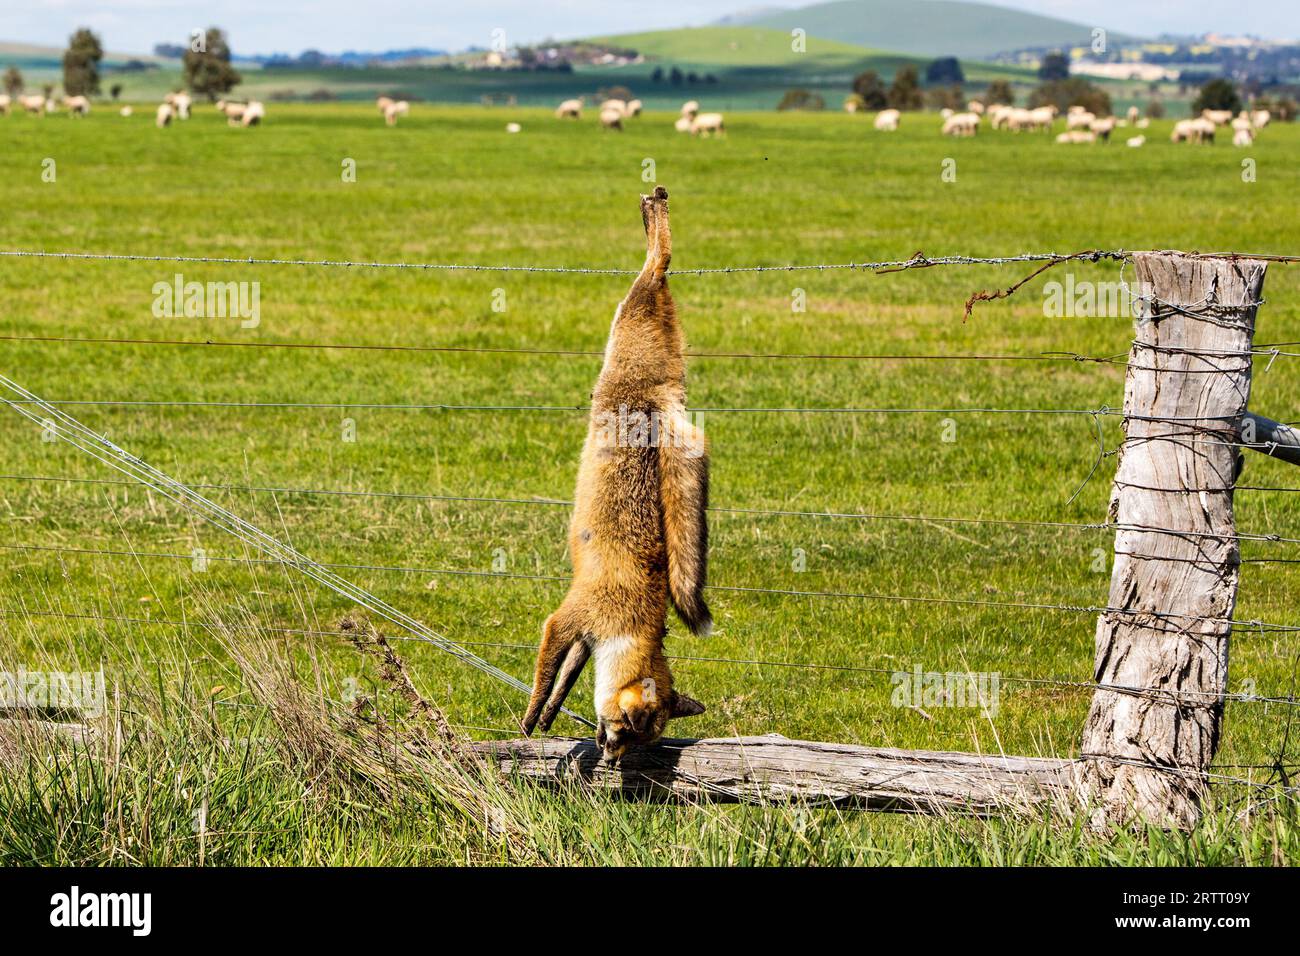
(560, 659)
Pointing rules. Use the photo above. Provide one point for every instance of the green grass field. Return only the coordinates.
(449, 185)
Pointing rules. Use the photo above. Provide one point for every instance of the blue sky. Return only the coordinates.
(265, 26)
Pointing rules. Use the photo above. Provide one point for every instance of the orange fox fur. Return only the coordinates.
(638, 537)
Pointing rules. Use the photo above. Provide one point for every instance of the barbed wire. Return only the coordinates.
(1195, 697)
(757, 512)
(1090, 609)
(917, 261)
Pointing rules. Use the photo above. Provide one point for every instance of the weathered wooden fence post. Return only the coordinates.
(1164, 636)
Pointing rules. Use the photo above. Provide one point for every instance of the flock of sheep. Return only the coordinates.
(1083, 126)
(38, 104)
(613, 112)
(175, 106)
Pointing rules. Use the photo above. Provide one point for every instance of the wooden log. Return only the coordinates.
(775, 769)
(1172, 591)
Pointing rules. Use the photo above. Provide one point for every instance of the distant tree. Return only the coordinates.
(710, 78)
(1055, 66)
(207, 66)
(81, 64)
(1072, 92)
(675, 77)
(801, 100)
(1217, 94)
(1156, 109)
(871, 88)
(168, 51)
(115, 90)
(13, 81)
(615, 93)
(1000, 91)
(946, 97)
(943, 71)
(905, 92)
(692, 77)
(657, 75)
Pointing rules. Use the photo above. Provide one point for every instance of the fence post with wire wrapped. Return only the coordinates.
(1146, 752)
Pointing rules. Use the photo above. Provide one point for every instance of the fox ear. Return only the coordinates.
(684, 706)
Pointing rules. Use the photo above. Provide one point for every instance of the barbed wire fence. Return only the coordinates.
(47, 414)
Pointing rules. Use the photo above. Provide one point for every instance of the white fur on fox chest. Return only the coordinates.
(610, 654)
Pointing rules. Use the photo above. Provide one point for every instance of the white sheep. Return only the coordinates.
(618, 106)
(887, 120)
(396, 109)
(976, 107)
(125, 111)
(1077, 136)
(683, 124)
(382, 103)
(1217, 117)
(1079, 119)
(708, 124)
(634, 107)
(1261, 118)
(35, 103)
(513, 128)
(998, 114)
(234, 111)
(611, 119)
(961, 124)
(1199, 130)
(5, 101)
(947, 112)
(166, 113)
(77, 105)
(254, 113)
(1132, 114)
(1243, 137)
(1102, 127)
(1135, 141)
(569, 109)
(180, 102)
(690, 108)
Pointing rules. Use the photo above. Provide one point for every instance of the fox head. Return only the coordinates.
(637, 715)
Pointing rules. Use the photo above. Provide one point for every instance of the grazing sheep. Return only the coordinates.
(382, 104)
(125, 111)
(180, 102)
(634, 108)
(5, 101)
(708, 124)
(618, 106)
(947, 112)
(569, 109)
(1102, 128)
(254, 113)
(683, 124)
(690, 108)
(1243, 137)
(35, 103)
(998, 114)
(1132, 114)
(611, 119)
(1260, 118)
(1243, 122)
(1143, 123)
(976, 107)
(1199, 130)
(887, 120)
(234, 111)
(399, 108)
(1079, 119)
(1217, 117)
(852, 104)
(166, 113)
(77, 105)
(1077, 136)
(1135, 141)
(961, 124)
(513, 128)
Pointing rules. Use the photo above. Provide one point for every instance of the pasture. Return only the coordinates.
(103, 575)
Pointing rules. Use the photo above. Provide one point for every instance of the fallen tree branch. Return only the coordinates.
(773, 769)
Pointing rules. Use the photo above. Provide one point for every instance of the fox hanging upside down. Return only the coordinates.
(638, 537)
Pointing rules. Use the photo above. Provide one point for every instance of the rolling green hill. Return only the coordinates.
(931, 28)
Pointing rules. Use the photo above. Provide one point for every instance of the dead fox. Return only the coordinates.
(638, 537)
